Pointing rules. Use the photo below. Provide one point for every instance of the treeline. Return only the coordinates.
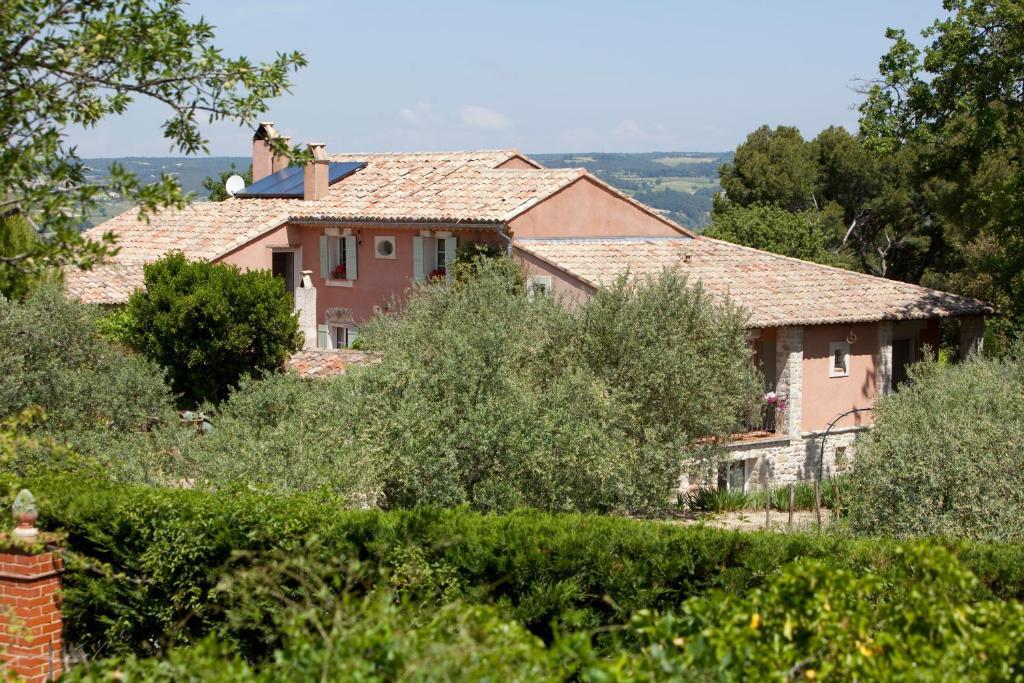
(929, 190)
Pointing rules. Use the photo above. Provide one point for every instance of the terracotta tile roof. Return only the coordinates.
(447, 187)
(777, 290)
(110, 283)
(317, 363)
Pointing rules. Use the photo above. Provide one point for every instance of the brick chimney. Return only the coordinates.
(264, 161)
(315, 174)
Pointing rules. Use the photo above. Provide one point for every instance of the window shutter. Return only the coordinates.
(323, 334)
(325, 256)
(353, 332)
(450, 245)
(417, 259)
(351, 273)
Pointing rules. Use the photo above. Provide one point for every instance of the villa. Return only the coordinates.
(349, 233)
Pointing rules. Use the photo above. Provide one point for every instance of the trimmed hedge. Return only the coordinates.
(146, 562)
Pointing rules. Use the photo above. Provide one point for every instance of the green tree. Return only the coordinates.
(51, 356)
(491, 398)
(215, 185)
(210, 325)
(770, 228)
(18, 237)
(772, 167)
(70, 63)
(958, 103)
(944, 455)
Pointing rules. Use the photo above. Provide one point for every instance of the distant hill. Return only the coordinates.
(680, 184)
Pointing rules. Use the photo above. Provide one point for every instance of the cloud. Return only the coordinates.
(628, 129)
(483, 118)
(420, 115)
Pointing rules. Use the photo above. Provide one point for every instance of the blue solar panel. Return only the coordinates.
(287, 183)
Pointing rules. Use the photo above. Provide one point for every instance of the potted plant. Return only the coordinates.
(339, 272)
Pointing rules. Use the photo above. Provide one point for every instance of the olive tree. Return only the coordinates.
(946, 454)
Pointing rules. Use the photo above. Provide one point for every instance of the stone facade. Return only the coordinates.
(789, 355)
(778, 461)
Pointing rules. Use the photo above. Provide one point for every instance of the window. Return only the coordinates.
(839, 359)
(442, 257)
(384, 247)
(733, 475)
(539, 285)
(343, 336)
(338, 258)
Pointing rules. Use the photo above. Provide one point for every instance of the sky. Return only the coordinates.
(555, 76)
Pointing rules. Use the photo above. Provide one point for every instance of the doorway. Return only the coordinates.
(901, 358)
(282, 265)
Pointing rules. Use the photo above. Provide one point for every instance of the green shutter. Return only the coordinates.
(450, 245)
(351, 268)
(323, 334)
(325, 257)
(417, 259)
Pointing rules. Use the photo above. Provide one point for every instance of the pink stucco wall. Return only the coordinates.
(517, 162)
(566, 288)
(824, 397)
(585, 209)
(380, 280)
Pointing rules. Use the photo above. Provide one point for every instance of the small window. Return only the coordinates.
(343, 336)
(839, 359)
(442, 256)
(841, 460)
(734, 475)
(539, 285)
(384, 247)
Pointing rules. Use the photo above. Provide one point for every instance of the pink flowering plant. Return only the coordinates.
(773, 399)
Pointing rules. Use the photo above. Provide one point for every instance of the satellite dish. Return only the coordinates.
(234, 185)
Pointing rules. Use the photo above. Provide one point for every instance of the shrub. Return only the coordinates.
(488, 397)
(52, 356)
(210, 325)
(288, 434)
(144, 563)
(945, 455)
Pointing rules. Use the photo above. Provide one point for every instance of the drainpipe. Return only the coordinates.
(508, 240)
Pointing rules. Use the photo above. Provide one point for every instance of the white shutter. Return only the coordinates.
(353, 332)
(417, 259)
(325, 256)
(351, 272)
(323, 334)
(450, 245)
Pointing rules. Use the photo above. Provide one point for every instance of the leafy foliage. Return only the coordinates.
(51, 356)
(958, 104)
(250, 577)
(18, 237)
(210, 325)
(74, 63)
(488, 397)
(944, 456)
(286, 434)
(770, 228)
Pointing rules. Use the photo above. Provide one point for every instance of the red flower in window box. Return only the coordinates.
(339, 272)
(439, 273)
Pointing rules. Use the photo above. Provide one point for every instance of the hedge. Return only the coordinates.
(144, 563)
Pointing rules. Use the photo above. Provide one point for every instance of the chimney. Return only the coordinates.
(314, 181)
(262, 159)
(278, 161)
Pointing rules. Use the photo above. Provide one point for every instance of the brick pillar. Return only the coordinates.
(789, 358)
(884, 357)
(30, 618)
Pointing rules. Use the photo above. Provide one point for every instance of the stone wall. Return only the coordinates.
(777, 461)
